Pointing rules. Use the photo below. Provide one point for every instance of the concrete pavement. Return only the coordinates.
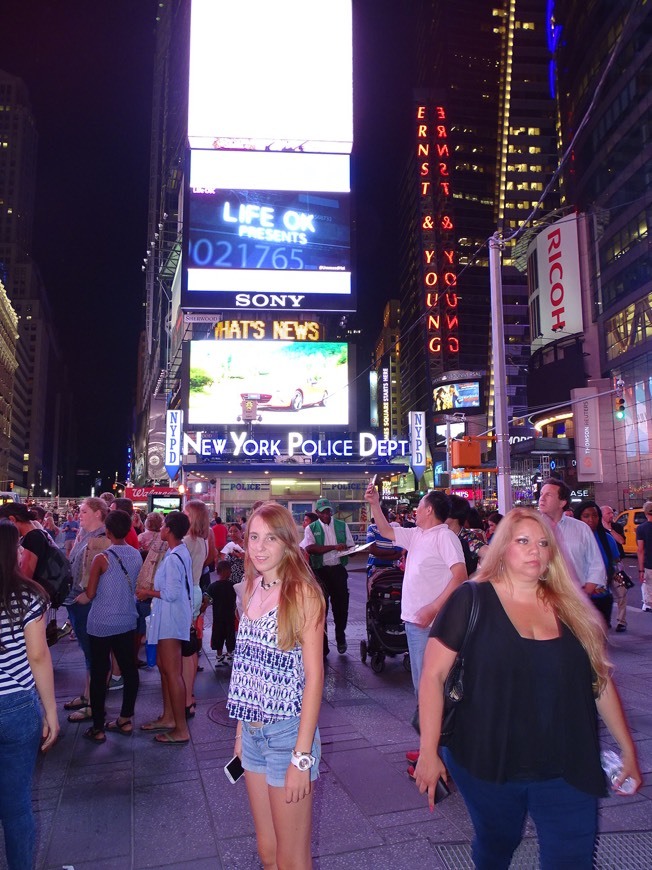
(132, 804)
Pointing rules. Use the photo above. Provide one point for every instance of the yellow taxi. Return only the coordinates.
(630, 519)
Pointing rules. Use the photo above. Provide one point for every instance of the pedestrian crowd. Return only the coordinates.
(509, 668)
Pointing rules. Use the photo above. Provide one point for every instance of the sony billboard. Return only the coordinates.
(271, 75)
(555, 290)
(268, 230)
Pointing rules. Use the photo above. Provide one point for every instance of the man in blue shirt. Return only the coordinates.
(383, 553)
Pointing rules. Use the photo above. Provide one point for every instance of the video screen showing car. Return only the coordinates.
(282, 383)
(456, 397)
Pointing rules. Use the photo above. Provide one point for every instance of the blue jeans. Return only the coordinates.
(20, 738)
(78, 615)
(566, 819)
(417, 638)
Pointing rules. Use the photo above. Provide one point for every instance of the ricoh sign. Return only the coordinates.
(555, 284)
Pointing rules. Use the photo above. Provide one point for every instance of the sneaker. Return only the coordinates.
(228, 659)
(646, 609)
(342, 647)
(115, 683)
(620, 627)
(220, 660)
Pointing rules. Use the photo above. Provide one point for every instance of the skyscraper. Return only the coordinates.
(483, 68)
(603, 55)
(39, 395)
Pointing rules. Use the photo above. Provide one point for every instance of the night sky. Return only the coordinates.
(88, 67)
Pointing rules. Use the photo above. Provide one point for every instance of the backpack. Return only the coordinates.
(56, 578)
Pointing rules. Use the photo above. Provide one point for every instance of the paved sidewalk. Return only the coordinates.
(132, 804)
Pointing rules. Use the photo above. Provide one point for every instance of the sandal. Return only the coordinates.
(95, 735)
(191, 709)
(156, 726)
(119, 727)
(84, 714)
(77, 703)
(168, 740)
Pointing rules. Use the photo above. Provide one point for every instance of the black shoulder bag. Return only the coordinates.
(454, 685)
(193, 644)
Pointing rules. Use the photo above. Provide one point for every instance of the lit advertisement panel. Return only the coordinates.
(263, 170)
(271, 75)
(462, 396)
(269, 229)
(270, 246)
(281, 383)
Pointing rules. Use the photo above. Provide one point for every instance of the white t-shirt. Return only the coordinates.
(431, 553)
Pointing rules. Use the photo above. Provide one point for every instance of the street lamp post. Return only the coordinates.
(503, 475)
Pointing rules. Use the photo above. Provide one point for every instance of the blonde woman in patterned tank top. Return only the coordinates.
(276, 687)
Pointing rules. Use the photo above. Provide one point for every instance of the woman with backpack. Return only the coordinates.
(25, 675)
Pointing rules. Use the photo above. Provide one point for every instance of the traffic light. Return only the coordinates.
(619, 408)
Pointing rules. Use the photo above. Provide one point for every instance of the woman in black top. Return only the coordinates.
(525, 738)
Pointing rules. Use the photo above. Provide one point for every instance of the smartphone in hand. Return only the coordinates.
(234, 770)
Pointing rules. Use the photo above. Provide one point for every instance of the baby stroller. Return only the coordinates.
(385, 629)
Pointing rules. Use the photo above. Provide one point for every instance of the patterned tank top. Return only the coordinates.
(267, 683)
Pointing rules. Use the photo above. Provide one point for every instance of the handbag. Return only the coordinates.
(622, 578)
(193, 644)
(454, 684)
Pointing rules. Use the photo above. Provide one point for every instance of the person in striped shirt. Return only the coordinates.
(25, 676)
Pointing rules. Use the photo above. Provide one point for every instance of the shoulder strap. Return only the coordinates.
(185, 574)
(124, 570)
(473, 616)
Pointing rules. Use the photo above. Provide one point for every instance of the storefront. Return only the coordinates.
(233, 470)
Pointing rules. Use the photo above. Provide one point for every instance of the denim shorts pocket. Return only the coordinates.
(284, 735)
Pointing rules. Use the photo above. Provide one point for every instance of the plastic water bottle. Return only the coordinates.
(150, 652)
(613, 766)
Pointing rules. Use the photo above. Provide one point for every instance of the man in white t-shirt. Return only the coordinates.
(433, 569)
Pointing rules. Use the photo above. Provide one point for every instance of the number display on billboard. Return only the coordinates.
(280, 383)
(271, 75)
(456, 397)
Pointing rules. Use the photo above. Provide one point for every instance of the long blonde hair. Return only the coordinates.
(555, 588)
(197, 513)
(300, 596)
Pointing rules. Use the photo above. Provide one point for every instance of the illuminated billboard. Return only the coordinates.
(275, 245)
(462, 396)
(271, 75)
(281, 383)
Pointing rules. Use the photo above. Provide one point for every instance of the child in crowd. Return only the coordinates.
(222, 594)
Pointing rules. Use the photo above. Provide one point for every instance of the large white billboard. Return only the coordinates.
(271, 75)
(555, 284)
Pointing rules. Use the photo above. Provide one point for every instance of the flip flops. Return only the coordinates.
(168, 740)
(77, 703)
(83, 714)
(117, 727)
(155, 727)
(95, 735)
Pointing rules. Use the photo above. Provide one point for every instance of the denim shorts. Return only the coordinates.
(268, 749)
